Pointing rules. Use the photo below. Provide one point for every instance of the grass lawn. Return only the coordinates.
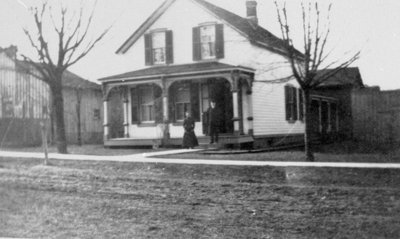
(87, 149)
(339, 152)
(72, 199)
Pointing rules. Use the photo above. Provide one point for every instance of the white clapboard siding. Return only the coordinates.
(269, 111)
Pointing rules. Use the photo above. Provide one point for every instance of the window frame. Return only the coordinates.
(163, 48)
(186, 103)
(291, 102)
(211, 44)
(217, 51)
(166, 49)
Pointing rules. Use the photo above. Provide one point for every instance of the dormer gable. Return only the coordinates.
(254, 33)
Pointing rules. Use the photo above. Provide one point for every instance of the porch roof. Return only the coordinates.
(176, 70)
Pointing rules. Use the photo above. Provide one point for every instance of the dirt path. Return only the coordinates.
(150, 158)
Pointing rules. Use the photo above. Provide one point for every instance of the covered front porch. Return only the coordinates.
(147, 107)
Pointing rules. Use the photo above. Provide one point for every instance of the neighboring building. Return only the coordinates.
(25, 102)
(179, 66)
(334, 103)
(376, 116)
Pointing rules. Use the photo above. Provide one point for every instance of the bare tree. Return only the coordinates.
(310, 69)
(72, 34)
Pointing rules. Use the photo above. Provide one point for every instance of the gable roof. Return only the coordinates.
(175, 70)
(10, 51)
(256, 34)
(349, 76)
(69, 79)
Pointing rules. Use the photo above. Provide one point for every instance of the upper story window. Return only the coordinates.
(208, 42)
(158, 48)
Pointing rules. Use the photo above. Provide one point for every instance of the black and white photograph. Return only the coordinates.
(199, 119)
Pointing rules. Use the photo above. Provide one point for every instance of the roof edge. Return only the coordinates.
(142, 28)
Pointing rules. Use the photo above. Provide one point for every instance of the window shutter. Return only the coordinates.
(196, 44)
(294, 103)
(301, 105)
(135, 105)
(158, 109)
(171, 104)
(219, 41)
(194, 101)
(169, 51)
(287, 102)
(148, 50)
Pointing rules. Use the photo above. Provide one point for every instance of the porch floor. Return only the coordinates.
(223, 140)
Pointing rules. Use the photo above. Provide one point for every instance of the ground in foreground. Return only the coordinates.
(125, 200)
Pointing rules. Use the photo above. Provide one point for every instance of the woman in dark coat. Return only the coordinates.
(189, 138)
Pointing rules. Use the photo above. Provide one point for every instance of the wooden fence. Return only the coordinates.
(376, 115)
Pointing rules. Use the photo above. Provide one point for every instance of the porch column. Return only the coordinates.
(250, 118)
(235, 102)
(126, 117)
(165, 107)
(105, 119)
(165, 100)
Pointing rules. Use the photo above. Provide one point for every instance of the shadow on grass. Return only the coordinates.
(354, 147)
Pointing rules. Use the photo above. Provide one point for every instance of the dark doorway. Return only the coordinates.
(219, 90)
(324, 120)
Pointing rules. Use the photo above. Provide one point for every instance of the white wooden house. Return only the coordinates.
(190, 51)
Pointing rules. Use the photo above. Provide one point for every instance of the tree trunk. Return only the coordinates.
(308, 126)
(58, 107)
(78, 115)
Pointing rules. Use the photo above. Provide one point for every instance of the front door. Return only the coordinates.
(219, 91)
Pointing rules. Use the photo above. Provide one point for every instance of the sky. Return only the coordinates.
(371, 26)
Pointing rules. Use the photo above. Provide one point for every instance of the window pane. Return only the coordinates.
(204, 91)
(182, 100)
(147, 113)
(147, 102)
(159, 55)
(158, 39)
(146, 95)
(180, 111)
(183, 93)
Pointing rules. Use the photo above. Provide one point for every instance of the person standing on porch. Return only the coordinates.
(189, 137)
(213, 122)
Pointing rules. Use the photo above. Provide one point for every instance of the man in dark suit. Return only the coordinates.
(213, 121)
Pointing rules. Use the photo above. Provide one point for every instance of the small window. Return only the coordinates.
(96, 114)
(8, 108)
(291, 103)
